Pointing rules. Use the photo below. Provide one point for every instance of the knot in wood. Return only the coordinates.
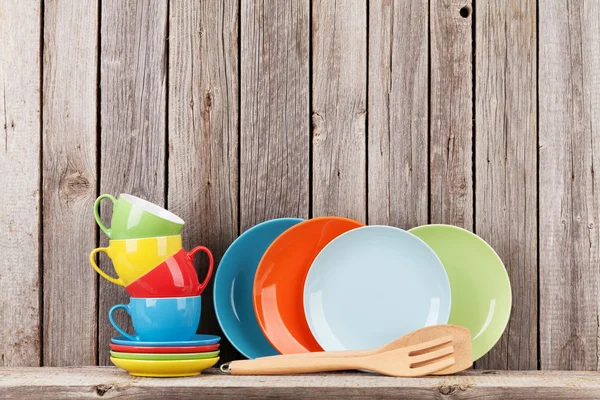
(445, 390)
(208, 99)
(449, 389)
(317, 124)
(102, 389)
(74, 185)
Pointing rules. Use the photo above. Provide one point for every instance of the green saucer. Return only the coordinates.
(154, 356)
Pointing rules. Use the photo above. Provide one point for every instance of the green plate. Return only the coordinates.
(165, 356)
(481, 295)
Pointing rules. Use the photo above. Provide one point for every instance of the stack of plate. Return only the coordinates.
(329, 283)
(165, 359)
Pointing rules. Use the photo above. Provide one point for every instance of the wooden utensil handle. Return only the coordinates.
(282, 365)
(330, 354)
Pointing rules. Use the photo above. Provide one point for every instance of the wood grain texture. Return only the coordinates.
(20, 25)
(397, 122)
(274, 139)
(451, 124)
(110, 382)
(569, 153)
(506, 161)
(133, 74)
(339, 79)
(69, 181)
(203, 131)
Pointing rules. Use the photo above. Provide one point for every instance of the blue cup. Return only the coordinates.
(167, 319)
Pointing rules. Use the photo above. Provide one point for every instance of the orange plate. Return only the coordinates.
(279, 282)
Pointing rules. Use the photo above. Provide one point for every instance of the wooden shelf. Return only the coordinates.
(110, 382)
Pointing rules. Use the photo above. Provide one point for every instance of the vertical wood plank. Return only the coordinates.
(133, 62)
(203, 130)
(274, 143)
(451, 124)
(69, 181)
(339, 71)
(20, 24)
(569, 153)
(506, 162)
(398, 145)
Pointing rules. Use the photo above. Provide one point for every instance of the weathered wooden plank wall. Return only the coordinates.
(274, 126)
(569, 93)
(133, 117)
(451, 114)
(70, 173)
(204, 127)
(339, 109)
(20, 111)
(505, 165)
(231, 112)
(398, 113)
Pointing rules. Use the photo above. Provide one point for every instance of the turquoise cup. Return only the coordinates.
(160, 319)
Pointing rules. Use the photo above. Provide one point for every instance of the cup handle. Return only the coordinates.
(117, 327)
(116, 281)
(97, 215)
(190, 256)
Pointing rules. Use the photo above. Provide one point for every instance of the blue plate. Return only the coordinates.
(197, 340)
(233, 287)
(372, 285)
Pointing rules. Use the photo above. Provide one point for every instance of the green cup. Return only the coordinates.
(135, 218)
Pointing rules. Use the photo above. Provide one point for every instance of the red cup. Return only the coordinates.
(175, 277)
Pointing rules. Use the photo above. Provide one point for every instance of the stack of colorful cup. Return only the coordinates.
(147, 254)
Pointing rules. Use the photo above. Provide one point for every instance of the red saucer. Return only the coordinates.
(166, 349)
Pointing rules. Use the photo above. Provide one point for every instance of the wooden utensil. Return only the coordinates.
(463, 352)
(416, 360)
(461, 342)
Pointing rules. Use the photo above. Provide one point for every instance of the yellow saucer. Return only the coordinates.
(164, 368)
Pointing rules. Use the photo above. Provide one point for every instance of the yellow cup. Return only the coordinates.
(133, 258)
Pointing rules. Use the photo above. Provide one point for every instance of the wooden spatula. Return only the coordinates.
(463, 352)
(461, 342)
(416, 360)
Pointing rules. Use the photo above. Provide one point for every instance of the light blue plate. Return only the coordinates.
(372, 285)
(233, 287)
(197, 340)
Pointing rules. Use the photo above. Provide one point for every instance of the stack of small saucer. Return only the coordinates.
(159, 275)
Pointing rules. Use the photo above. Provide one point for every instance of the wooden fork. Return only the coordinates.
(417, 360)
(461, 342)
